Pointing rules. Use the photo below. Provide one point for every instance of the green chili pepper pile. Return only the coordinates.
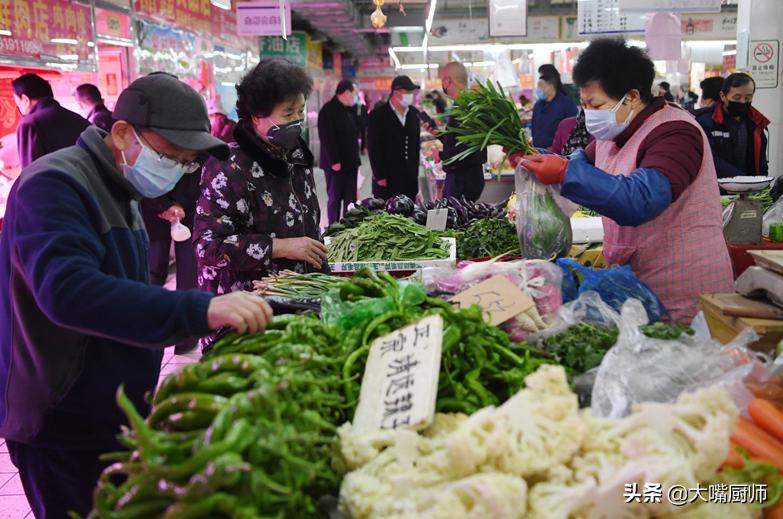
(246, 432)
(387, 237)
(249, 430)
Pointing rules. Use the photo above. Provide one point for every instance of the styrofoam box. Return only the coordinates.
(587, 230)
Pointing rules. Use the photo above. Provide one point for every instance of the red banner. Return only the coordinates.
(41, 29)
(112, 24)
(192, 15)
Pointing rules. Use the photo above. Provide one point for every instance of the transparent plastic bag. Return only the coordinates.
(541, 280)
(587, 308)
(616, 285)
(641, 369)
(544, 229)
(348, 314)
(773, 215)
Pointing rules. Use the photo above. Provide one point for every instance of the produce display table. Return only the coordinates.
(741, 260)
(726, 327)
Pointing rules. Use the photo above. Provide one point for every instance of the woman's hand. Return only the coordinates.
(548, 169)
(242, 311)
(302, 249)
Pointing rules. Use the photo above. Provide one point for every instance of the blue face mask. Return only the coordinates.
(152, 175)
(540, 95)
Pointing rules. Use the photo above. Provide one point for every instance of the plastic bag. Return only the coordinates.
(773, 215)
(587, 308)
(348, 314)
(544, 230)
(640, 369)
(541, 280)
(615, 285)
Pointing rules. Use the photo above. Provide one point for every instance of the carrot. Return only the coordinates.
(774, 512)
(734, 459)
(758, 443)
(767, 416)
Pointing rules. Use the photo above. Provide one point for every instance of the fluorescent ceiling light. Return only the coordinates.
(394, 58)
(68, 57)
(227, 83)
(4, 32)
(407, 28)
(480, 64)
(497, 47)
(64, 66)
(118, 43)
(419, 66)
(66, 41)
(431, 16)
(730, 53)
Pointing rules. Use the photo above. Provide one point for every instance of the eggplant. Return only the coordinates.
(419, 216)
(373, 204)
(401, 205)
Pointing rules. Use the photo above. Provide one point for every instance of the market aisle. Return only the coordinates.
(13, 503)
(364, 187)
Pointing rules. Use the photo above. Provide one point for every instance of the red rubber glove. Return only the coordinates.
(549, 169)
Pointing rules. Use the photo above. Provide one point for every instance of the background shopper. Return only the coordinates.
(45, 126)
(466, 176)
(394, 142)
(90, 101)
(338, 130)
(552, 106)
(736, 130)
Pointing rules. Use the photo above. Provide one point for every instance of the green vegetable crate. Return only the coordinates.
(396, 266)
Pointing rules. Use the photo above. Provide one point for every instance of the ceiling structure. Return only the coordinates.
(346, 23)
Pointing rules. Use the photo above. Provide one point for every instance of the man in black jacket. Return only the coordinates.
(464, 177)
(89, 98)
(45, 126)
(339, 133)
(394, 142)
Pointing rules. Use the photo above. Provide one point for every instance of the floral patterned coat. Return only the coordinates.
(246, 202)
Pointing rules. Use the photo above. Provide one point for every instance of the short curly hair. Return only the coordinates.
(617, 66)
(270, 83)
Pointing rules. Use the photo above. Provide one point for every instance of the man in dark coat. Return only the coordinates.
(45, 126)
(737, 132)
(464, 177)
(89, 98)
(394, 142)
(338, 130)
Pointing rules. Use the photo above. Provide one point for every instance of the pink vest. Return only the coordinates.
(681, 253)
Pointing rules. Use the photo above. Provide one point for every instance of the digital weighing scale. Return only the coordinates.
(742, 218)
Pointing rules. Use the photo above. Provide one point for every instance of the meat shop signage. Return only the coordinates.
(263, 18)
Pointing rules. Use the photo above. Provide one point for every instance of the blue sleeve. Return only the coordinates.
(61, 253)
(570, 109)
(628, 200)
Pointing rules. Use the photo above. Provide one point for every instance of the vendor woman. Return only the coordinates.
(258, 211)
(650, 174)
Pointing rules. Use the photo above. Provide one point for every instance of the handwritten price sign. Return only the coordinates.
(498, 298)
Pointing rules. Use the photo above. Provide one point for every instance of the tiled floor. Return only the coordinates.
(13, 503)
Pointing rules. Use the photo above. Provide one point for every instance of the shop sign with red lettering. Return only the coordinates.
(46, 30)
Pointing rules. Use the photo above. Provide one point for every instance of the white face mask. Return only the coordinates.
(407, 100)
(603, 125)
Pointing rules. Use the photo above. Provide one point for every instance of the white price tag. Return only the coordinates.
(436, 219)
(400, 383)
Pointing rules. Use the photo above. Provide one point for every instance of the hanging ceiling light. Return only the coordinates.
(377, 18)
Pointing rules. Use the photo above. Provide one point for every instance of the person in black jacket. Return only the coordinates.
(737, 131)
(89, 98)
(710, 95)
(394, 142)
(45, 126)
(464, 177)
(338, 130)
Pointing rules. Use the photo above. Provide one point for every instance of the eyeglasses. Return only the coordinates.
(170, 162)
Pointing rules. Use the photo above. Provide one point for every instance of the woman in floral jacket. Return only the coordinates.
(258, 211)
